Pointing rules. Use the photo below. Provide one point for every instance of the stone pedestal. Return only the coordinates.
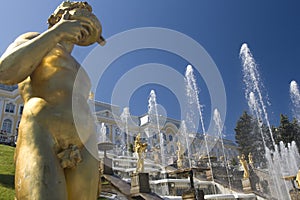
(189, 195)
(246, 185)
(107, 166)
(140, 183)
(295, 194)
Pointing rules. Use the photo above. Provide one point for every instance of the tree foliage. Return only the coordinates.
(287, 131)
(252, 135)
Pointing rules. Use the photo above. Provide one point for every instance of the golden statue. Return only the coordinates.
(139, 149)
(244, 165)
(52, 161)
(179, 152)
(250, 158)
(298, 178)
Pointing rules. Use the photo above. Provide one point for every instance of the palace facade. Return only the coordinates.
(11, 108)
(116, 123)
(120, 127)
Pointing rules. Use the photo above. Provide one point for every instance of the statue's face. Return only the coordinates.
(94, 31)
(79, 11)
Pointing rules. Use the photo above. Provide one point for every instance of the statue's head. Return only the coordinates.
(138, 137)
(79, 11)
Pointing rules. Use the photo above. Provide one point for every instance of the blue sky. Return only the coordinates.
(270, 28)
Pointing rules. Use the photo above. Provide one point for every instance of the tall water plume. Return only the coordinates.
(184, 139)
(254, 84)
(295, 97)
(253, 93)
(219, 129)
(193, 98)
(125, 119)
(102, 133)
(154, 119)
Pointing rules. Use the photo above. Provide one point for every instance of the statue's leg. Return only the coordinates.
(82, 180)
(38, 173)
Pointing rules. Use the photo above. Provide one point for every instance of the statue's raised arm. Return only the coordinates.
(71, 23)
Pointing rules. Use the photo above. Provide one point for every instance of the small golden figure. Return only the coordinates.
(179, 152)
(298, 179)
(244, 165)
(156, 157)
(139, 149)
(52, 159)
(250, 158)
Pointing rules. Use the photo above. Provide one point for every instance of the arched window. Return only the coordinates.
(6, 126)
(164, 136)
(10, 107)
(170, 138)
(154, 135)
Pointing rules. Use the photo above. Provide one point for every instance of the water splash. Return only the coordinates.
(253, 93)
(254, 84)
(284, 161)
(101, 129)
(219, 128)
(252, 103)
(125, 119)
(184, 139)
(154, 119)
(193, 98)
(295, 97)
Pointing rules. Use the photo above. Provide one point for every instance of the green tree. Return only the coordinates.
(249, 137)
(287, 131)
(234, 162)
(296, 126)
(243, 133)
(131, 148)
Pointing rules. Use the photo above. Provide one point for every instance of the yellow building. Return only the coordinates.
(11, 107)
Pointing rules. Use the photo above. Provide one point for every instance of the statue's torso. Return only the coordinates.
(49, 98)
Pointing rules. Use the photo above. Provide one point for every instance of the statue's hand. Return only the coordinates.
(72, 30)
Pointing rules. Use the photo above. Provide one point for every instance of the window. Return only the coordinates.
(107, 131)
(10, 107)
(21, 110)
(170, 138)
(6, 126)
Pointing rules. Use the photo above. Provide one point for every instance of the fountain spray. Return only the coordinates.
(192, 94)
(253, 94)
(295, 97)
(154, 118)
(124, 118)
(218, 123)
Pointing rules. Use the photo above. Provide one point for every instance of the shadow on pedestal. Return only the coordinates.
(140, 183)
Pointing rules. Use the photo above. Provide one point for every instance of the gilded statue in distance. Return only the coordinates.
(52, 161)
(179, 152)
(250, 158)
(244, 164)
(139, 149)
(298, 178)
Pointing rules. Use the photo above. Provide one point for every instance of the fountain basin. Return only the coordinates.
(231, 196)
(105, 146)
